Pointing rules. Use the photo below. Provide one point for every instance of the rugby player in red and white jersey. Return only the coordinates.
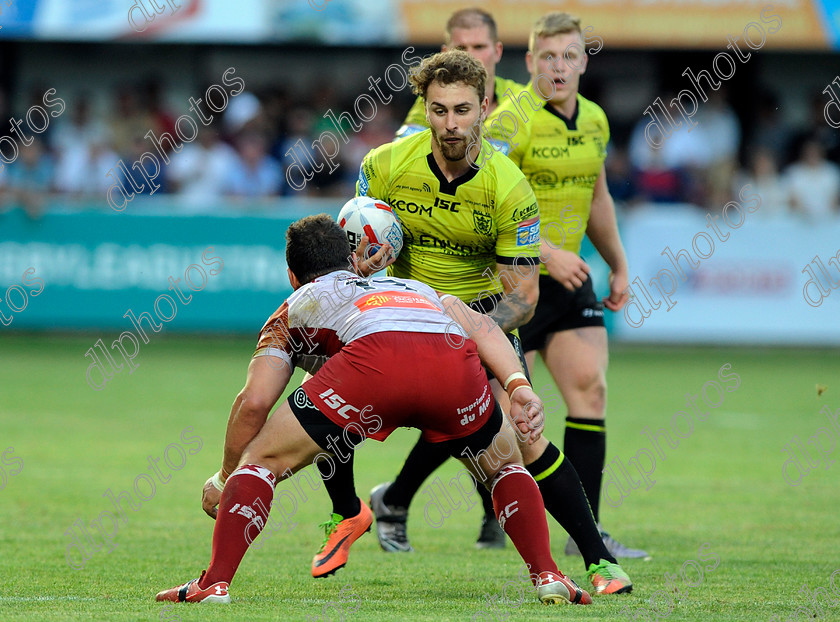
(397, 355)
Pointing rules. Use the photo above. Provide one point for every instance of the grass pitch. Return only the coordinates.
(722, 486)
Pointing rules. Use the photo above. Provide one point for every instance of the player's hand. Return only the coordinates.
(383, 258)
(618, 297)
(528, 414)
(210, 498)
(567, 268)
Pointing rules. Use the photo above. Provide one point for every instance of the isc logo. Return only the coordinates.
(452, 206)
(337, 403)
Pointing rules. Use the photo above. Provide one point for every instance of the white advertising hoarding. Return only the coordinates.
(699, 279)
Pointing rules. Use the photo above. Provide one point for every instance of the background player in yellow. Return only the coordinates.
(471, 233)
(473, 31)
(558, 139)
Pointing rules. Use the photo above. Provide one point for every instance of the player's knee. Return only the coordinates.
(591, 386)
(259, 454)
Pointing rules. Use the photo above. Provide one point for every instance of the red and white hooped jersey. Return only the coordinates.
(321, 317)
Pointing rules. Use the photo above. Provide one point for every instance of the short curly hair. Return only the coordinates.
(448, 68)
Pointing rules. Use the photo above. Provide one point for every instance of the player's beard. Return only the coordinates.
(454, 151)
(457, 151)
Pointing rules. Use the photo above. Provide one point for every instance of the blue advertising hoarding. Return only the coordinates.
(88, 270)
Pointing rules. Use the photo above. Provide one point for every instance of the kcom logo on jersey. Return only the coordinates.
(413, 208)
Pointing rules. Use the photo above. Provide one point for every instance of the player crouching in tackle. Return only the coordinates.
(392, 360)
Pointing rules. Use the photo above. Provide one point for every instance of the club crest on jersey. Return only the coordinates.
(483, 223)
(528, 232)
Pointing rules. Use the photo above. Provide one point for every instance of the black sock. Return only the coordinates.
(423, 460)
(341, 486)
(565, 500)
(586, 446)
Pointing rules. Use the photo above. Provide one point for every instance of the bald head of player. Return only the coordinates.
(474, 31)
(452, 86)
(315, 246)
(556, 59)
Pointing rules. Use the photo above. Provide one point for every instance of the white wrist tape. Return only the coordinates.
(217, 482)
(514, 376)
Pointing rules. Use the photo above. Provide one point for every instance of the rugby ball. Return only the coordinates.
(374, 218)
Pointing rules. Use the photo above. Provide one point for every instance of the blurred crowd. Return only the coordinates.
(793, 169)
(240, 159)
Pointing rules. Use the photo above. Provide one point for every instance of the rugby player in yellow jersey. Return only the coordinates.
(471, 233)
(473, 31)
(559, 142)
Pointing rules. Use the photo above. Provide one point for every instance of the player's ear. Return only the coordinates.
(579, 64)
(498, 51)
(293, 280)
(529, 62)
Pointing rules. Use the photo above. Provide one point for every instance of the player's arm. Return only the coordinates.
(499, 357)
(519, 301)
(602, 230)
(267, 379)
(516, 258)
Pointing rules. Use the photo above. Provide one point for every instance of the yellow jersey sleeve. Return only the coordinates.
(518, 217)
(373, 175)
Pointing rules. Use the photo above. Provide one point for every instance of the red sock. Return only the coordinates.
(521, 512)
(243, 511)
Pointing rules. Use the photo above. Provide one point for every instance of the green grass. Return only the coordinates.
(722, 485)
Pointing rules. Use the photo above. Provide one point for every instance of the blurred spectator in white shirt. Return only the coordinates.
(722, 133)
(763, 178)
(253, 174)
(814, 182)
(198, 172)
(83, 155)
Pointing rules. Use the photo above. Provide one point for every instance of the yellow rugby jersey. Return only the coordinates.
(453, 231)
(415, 120)
(560, 157)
